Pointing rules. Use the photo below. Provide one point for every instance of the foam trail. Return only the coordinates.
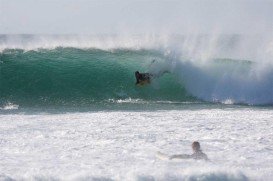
(196, 47)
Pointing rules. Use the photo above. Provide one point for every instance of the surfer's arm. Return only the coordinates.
(182, 156)
(159, 74)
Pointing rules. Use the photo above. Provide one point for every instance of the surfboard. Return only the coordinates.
(162, 156)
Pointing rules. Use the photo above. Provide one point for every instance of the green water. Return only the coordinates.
(78, 77)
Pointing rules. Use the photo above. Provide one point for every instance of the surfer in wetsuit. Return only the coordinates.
(197, 153)
(142, 78)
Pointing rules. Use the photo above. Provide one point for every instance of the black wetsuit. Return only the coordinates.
(199, 155)
(141, 77)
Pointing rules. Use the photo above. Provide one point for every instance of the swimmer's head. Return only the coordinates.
(196, 146)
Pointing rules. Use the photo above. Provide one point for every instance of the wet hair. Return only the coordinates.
(196, 145)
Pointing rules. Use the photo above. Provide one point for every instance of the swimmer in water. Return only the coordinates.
(197, 153)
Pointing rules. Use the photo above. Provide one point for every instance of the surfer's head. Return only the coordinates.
(196, 146)
(137, 74)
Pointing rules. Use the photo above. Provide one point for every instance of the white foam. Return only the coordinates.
(9, 106)
(228, 101)
(123, 145)
(196, 47)
(107, 42)
(227, 81)
(128, 100)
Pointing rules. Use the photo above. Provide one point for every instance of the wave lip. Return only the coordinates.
(101, 42)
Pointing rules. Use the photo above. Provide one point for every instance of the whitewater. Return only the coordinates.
(70, 109)
(122, 145)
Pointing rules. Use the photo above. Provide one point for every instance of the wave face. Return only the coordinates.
(71, 70)
(75, 76)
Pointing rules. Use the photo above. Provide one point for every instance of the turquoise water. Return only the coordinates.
(76, 77)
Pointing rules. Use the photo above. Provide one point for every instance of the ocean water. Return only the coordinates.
(70, 109)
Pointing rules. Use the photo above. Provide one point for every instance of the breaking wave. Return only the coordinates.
(82, 70)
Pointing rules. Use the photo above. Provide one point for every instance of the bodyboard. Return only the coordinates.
(162, 156)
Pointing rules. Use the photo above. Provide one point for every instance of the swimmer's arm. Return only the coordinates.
(206, 158)
(182, 156)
